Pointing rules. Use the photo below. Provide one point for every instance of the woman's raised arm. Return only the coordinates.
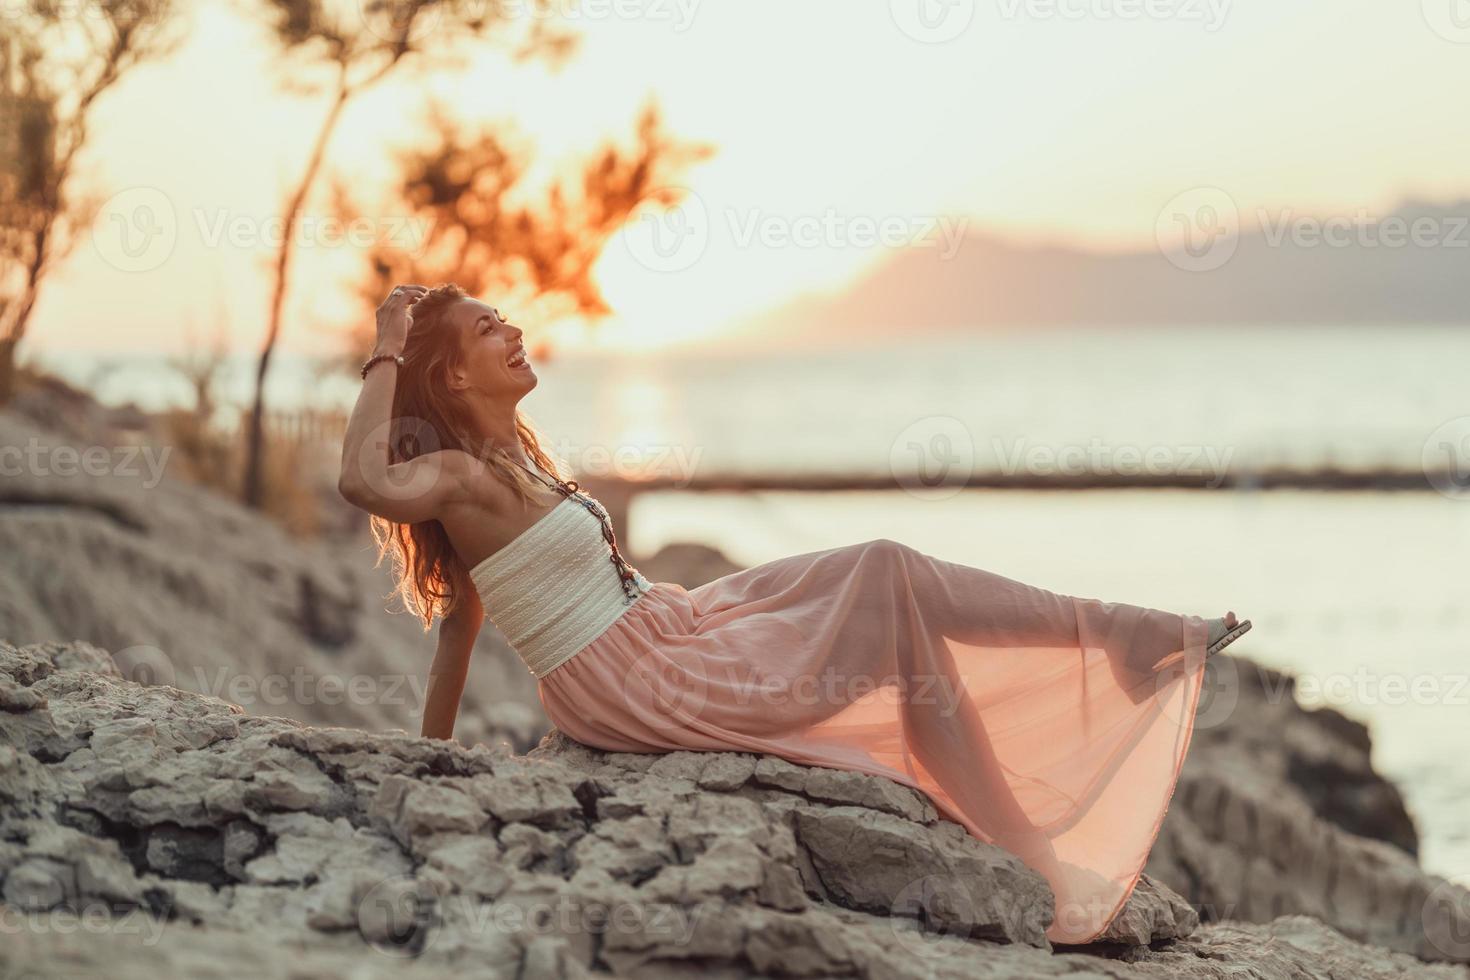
(406, 492)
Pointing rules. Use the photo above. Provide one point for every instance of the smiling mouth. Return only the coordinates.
(518, 359)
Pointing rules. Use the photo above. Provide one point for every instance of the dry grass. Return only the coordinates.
(294, 476)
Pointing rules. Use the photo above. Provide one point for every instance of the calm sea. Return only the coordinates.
(1362, 595)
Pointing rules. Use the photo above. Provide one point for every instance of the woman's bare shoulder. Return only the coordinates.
(490, 513)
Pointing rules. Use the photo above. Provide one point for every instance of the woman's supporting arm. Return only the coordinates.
(457, 634)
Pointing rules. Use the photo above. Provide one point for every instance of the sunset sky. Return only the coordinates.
(1069, 120)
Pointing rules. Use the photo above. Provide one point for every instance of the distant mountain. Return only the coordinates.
(1272, 276)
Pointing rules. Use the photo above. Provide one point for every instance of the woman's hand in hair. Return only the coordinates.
(394, 318)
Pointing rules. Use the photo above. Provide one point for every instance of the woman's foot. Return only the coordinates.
(1036, 852)
(1223, 632)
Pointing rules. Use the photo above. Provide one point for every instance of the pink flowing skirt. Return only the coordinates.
(1049, 725)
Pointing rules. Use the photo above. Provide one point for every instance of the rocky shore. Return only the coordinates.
(187, 588)
(168, 808)
(149, 831)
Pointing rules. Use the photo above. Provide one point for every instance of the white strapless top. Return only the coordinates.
(554, 588)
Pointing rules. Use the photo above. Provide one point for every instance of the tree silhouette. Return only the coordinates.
(463, 188)
(345, 49)
(57, 59)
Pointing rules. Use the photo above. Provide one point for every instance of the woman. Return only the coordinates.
(1050, 725)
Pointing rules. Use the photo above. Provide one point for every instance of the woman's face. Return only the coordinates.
(492, 360)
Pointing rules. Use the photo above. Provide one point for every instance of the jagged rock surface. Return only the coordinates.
(191, 838)
(1278, 812)
(190, 589)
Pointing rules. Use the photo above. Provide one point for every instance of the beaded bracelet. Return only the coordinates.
(395, 358)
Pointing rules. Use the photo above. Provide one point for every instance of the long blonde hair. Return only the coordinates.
(427, 416)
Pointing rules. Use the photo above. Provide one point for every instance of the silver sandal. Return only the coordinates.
(1231, 635)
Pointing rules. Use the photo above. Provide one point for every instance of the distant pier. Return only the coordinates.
(617, 494)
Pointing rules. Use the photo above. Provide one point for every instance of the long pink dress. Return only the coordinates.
(1050, 725)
